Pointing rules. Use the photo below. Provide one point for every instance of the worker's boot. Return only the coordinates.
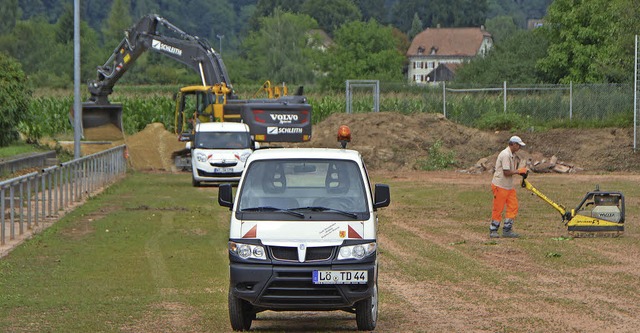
(493, 229)
(507, 229)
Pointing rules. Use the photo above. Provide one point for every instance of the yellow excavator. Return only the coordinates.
(599, 214)
(276, 118)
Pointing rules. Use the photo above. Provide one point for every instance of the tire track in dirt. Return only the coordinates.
(477, 306)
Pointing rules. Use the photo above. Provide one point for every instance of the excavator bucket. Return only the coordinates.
(102, 122)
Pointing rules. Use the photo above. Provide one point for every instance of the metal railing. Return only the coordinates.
(30, 200)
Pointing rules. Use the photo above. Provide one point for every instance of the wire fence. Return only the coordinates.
(539, 103)
(32, 200)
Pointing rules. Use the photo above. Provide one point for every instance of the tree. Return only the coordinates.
(363, 50)
(331, 14)
(590, 41)
(8, 16)
(117, 22)
(14, 99)
(446, 13)
(266, 8)
(282, 49)
(416, 26)
(372, 9)
(501, 27)
(513, 60)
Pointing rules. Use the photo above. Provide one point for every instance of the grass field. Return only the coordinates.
(149, 255)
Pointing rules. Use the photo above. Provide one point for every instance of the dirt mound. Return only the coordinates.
(152, 148)
(393, 141)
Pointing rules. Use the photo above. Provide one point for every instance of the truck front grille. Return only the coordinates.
(203, 173)
(285, 253)
(291, 289)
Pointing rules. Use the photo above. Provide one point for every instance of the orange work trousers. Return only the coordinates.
(502, 197)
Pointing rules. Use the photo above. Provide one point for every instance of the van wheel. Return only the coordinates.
(240, 313)
(367, 311)
(194, 182)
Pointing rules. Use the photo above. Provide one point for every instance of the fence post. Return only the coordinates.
(444, 99)
(504, 95)
(570, 100)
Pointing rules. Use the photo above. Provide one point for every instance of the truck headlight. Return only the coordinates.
(201, 157)
(356, 251)
(247, 251)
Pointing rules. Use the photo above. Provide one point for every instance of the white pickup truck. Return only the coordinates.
(219, 151)
(303, 235)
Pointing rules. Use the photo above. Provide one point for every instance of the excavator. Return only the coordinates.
(276, 118)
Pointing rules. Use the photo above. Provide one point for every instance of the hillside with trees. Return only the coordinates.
(258, 39)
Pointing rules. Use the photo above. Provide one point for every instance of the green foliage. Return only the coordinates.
(449, 13)
(331, 14)
(118, 20)
(8, 15)
(363, 51)
(500, 121)
(281, 51)
(438, 159)
(416, 26)
(14, 99)
(514, 60)
(590, 41)
(501, 27)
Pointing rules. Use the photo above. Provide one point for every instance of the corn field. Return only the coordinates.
(542, 106)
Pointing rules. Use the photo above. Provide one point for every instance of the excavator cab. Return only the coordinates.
(200, 104)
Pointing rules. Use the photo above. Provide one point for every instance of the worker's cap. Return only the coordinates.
(516, 139)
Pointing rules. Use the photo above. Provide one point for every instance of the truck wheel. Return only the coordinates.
(240, 313)
(367, 311)
(194, 182)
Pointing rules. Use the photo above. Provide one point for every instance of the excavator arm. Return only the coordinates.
(190, 50)
(279, 118)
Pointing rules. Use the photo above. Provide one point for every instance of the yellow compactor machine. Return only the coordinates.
(599, 214)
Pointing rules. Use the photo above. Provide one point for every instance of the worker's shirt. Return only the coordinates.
(506, 161)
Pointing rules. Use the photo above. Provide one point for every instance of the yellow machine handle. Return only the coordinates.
(560, 208)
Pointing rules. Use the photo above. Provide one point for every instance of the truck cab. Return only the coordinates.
(303, 235)
(219, 151)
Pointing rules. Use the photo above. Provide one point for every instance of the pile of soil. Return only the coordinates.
(393, 141)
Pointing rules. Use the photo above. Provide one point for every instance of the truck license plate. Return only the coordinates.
(222, 170)
(340, 277)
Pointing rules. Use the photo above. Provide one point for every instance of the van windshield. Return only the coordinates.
(319, 185)
(222, 140)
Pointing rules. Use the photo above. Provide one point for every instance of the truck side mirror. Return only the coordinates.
(256, 145)
(225, 195)
(382, 196)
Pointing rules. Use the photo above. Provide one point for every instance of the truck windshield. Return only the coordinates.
(321, 185)
(222, 140)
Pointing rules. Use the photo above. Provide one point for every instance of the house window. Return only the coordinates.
(430, 65)
(416, 78)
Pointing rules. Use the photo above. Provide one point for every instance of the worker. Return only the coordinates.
(504, 192)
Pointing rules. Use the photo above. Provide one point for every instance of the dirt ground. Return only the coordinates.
(392, 144)
(393, 141)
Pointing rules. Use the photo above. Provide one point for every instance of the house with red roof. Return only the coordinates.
(436, 53)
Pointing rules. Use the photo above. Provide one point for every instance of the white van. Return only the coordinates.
(303, 235)
(219, 151)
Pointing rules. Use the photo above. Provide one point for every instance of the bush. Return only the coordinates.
(14, 99)
(437, 159)
(501, 121)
